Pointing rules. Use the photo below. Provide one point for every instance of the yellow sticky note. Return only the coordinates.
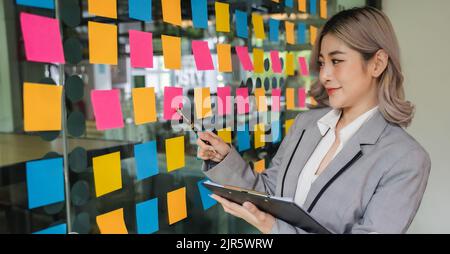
(302, 5)
(107, 173)
(323, 9)
(259, 166)
(225, 135)
(260, 97)
(103, 8)
(222, 17)
(171, 11)
(290, 64)
(171, 51)
(176, 205)
(202, 98)
(224, 57)
(102, 43)
(290, 101)
(313, 34)
(287, 125)
(312, 101)
(258, 60)
(290, 38)
(276, 1)
(258, 25)
(144, 105)
(259, 135)
(42, 107)
(175, 153)
(112, 222)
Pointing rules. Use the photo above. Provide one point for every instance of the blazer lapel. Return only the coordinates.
(306, 147)
(351, 152)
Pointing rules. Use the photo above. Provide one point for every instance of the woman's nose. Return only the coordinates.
(326, 74)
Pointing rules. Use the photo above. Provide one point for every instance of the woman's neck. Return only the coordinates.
(349, 114)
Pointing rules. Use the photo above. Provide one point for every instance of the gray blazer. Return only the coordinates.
(375, 184)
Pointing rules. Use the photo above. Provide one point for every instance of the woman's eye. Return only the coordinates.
(336, 61)
(320, 64)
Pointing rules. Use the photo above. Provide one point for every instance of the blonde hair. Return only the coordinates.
(368, 30)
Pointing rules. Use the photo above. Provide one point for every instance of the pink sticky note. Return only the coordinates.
(242, 100)
(107, 109)
(141, 49)
(276, 94)
(224, 100)
(301, 97)
(303, 66)
(276, 63)
(244, 57)
(173, 98)
(42, 39)
(202, 55)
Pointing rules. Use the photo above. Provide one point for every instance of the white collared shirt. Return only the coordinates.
(327, 127)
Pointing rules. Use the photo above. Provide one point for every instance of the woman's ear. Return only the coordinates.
(381, 60)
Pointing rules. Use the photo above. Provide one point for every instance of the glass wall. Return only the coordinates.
(87, 201)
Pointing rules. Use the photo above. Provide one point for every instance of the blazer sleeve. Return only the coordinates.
(234, 170)
(397, 197)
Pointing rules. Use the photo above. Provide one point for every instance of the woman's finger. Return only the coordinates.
(204, 146)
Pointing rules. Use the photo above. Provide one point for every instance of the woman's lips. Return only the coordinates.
(330, 91)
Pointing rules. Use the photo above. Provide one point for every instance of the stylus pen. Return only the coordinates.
(191, 125)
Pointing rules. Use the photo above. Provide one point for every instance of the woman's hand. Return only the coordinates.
(248, 212)
(216, 151)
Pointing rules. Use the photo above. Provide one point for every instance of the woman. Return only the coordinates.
(350, 164)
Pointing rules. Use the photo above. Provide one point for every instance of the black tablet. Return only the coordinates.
(281, 208)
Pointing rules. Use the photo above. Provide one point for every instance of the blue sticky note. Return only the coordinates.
(147, 216)
(199, 13)
(207, 201)
(243, 137)
(241, 24)
(274, 26)
(276, 132)
(313, 7)
(45, 182)
(301, 33)
(289, 3)
(146, 160)
(58, 229)
(47, 4)
(140, 9)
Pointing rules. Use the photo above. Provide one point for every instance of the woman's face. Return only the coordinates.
(344, 74)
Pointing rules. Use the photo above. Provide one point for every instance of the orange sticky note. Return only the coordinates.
(225, 135)
(224, 57)
(259, 166)
(175, 153)
(259, 133)
(258, 60)
(222, 17)
(290, 38)
(176, 205)
(103, 8)
(323, 9)
(313, 34)
(202, 98)
(302, 5)
(102, 43)
(258, 25)
(171, 51)
(42, 107)
(260, 97)
(290, 64)
(112, 222)
(290, 101)
(171, 11)
(287, 125)
(107, 173)
(144, 105)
